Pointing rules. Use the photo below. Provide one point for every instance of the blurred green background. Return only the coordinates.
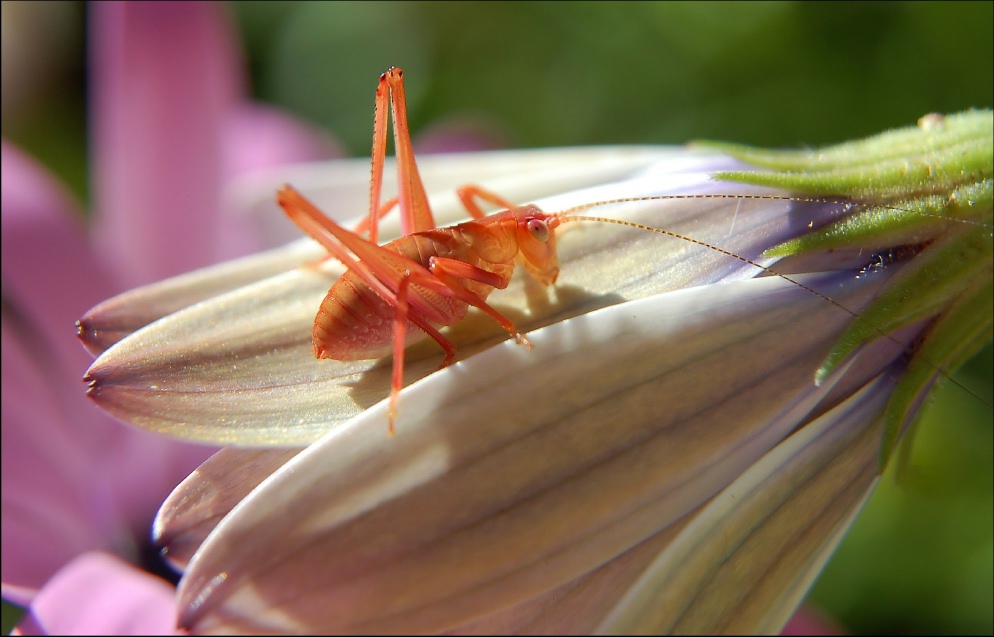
(548, 74)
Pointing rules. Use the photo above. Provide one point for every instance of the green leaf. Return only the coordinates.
(924, 191)
(954, 338)
(936, 156)
(927, 285)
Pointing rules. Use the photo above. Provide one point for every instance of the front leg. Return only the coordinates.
(453, 273)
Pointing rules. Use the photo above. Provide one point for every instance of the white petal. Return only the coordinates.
(208, 494)
(746, 560)
(341, 189)
(237, 370)
(117, 317)
(581, 605)
(517, 471)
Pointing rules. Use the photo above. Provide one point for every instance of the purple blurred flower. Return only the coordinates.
(810, 621)
(170, 130)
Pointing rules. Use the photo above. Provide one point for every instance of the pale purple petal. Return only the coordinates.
(486, 524)
(341, 190)
(745, 561)
(110, 321)
(168, 376)
(208, 494)
(579, 606)
(165, 78)
(98, 594)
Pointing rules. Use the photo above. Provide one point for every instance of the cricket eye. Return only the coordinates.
(538, 229)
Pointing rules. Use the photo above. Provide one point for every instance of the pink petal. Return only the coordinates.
(166, 76)
(144, 469)
(49, 271)
(51, 434)
(257, 138)
(73, 479)
(51, 511)
(809, 621)
(98, 594)
(460, 135)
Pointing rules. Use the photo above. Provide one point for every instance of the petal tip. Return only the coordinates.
(92, 382)
(89, 335)
(85, 331)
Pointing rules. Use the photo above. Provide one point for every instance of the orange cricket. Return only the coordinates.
(429, 277)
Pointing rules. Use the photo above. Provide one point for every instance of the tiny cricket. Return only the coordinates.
(428, 278)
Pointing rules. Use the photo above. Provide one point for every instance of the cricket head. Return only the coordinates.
(536, 236)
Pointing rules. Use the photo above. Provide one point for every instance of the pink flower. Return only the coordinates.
(665, 463)
(171, 128)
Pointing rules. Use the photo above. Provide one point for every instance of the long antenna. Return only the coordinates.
(569, 215)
